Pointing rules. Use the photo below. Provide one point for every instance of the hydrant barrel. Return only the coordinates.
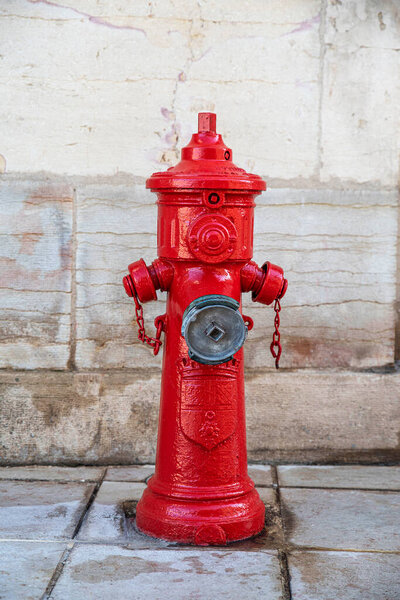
(201, 492)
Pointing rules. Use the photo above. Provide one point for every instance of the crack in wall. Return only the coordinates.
(91, 18)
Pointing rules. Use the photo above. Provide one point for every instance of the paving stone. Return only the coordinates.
(354, 476)
(106, 518)
(26, 568)
(342, 519)
(129, 473)
(266, 494)
(260, 474)
(41, 510)
(52, 473)
(110, 571)
(344, 576)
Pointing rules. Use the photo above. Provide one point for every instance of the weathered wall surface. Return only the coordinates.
(98, 95)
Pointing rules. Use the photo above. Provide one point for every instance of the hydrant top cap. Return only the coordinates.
(206, 164)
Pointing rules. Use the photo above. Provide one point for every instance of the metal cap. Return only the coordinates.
(206, 163)
(213, 328)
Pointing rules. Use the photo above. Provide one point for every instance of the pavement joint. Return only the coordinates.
(60, 566)
(89, 503)
(57, 572)
(282, 555)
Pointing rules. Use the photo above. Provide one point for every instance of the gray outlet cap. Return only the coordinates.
(213, 328)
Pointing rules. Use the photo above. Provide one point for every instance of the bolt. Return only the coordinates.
(207, 122)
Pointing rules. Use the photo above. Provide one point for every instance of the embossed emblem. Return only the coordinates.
(212, 238)
(208, 402)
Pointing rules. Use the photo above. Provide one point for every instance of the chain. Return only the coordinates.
(154, 343)
(275, 347)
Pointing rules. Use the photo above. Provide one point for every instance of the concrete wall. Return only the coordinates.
(96, 96)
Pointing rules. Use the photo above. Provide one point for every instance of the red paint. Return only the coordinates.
(201, 492)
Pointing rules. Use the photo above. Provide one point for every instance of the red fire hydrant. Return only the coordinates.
(201, 492)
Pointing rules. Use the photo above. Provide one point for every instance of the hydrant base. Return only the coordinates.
(200, 522)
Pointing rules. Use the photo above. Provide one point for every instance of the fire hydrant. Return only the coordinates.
(201, 492)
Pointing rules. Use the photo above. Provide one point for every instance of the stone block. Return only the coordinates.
(361, 92)
(112, 418)
(35, 260)
(339, 308)
(317, 416)
(131, 78)
(116, 225)
(78, 418)
(338, 253)
(98, 101)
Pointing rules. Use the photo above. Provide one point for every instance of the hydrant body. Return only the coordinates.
(201, 492)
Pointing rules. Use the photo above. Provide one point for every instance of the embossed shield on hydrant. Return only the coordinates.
(208, 402)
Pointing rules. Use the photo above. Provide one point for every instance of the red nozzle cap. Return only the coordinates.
(207, 122)
(127, 281)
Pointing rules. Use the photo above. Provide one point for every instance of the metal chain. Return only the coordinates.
(275, 347)
(154, 343)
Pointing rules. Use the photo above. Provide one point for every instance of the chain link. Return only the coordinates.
(275, 347)
(154, 343)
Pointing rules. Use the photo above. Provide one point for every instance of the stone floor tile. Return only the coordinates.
(344, 576)
(27, 567)
(266, 494)
(41, 510)
(348, 476)
(106, 520)
(342, 519)
(129, 473)
(51, 473)
(98, 571)
(260, 474)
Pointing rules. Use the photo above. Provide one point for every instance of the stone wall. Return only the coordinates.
(96, 96)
